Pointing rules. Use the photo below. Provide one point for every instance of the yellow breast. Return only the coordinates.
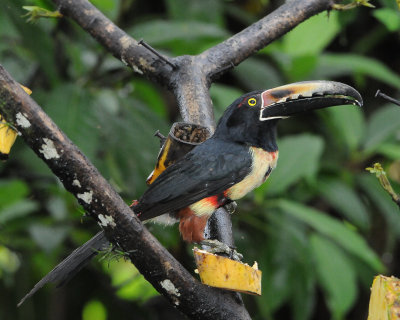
(262, 162)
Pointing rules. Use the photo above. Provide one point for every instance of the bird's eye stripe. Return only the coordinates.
(252, 102)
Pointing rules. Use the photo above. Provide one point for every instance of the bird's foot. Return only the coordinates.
(231, 207)
(216, 246)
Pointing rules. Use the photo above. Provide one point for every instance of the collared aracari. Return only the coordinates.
(238, 158)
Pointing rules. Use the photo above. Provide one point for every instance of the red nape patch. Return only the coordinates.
(213, 200)
(273, 154)
(191, 226)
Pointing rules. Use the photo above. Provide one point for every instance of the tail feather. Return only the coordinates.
(71, 265)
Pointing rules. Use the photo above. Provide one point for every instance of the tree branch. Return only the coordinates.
(255, 37)
(101, 202)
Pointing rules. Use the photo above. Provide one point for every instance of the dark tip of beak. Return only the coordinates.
(304, 96)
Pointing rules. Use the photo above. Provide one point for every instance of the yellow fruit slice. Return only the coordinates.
(225, 273)
(8, 134)
(384, 303)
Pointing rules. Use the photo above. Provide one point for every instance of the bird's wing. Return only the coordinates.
(207, 170)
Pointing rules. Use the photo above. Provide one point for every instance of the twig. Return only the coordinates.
(386, 97)
(383, 180)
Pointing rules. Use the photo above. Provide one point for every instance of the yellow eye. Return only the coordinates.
(252, 102)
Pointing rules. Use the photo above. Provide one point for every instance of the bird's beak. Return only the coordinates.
(282, 102)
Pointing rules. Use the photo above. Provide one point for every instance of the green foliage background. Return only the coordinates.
(320, 228)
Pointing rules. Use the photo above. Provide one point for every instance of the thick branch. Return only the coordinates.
(115, 40)
(101, 201)
(255, 37)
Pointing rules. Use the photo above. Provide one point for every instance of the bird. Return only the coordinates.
(237, 158)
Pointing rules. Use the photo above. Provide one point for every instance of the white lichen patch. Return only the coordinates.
(168, 286)
(76, 183)
(136, 69)
(49, 150)
(110, 27)
(86, 196)
(106, 221)
(125, 42)
(22, 121)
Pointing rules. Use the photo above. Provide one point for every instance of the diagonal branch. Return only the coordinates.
(101, 201)
(255, 37)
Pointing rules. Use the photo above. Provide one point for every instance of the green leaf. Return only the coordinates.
(74, 110)
(161, 32)
(389, 150)
(300, 68)
(148, 93)
(336, 64)
(298, 158)
(337, 231)
(222, 96)
(47, 237)
(388, 17)
(17, 210)
(94, 310)
(205, 10)
(110, 8)
(382, 124)
(255, 74)
(313, 35)
(346, 201)
(130, 284)
(11, 191)
(348, 125)
(336, 275)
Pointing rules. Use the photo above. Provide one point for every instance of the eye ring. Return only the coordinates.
(252, 102)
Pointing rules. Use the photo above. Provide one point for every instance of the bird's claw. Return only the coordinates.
(231, 207)
(215, 246)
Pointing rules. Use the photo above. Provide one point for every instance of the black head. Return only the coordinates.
(252, 118)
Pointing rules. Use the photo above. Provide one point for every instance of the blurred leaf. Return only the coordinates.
(382, 201)
(74, 110)
(337, 231)
(300, 67)
(383, 123)
(41, 47)
(130, 284)
(348, 125)
(278, 260)
(47, 237)
(17, 210)
(298, 158)
(313, 35)
(110, 8)
(388, 17)
(336, 275)
(205, 10)
(389, 150)
(162, 32)
(57, 208)
(150, 96)
(9, 261)
(332, 65)
(94, 310)
(255, 74)
(222, 96)
(346, 201)
(12, 191)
